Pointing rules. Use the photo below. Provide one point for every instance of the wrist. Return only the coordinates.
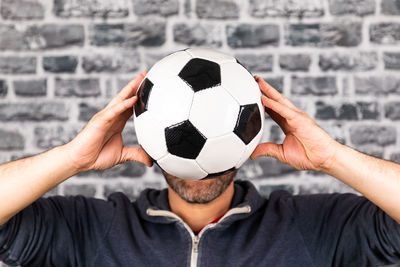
(332, 163)
(71, 164)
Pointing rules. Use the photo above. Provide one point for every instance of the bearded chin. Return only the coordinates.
(193, 195)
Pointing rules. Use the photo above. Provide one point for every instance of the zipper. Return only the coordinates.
(195, 251)
(196, 238)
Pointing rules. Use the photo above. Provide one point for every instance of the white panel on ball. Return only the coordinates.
(211, 55)
(250, 148)
(169, 66)
(170, 101)
(214, 112)
(181, 167)
(221, 153)
(242, 86)
(150, 134)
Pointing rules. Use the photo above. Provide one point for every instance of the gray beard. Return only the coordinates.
(216, 188)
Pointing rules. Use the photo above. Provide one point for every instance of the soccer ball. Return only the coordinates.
(199, 114)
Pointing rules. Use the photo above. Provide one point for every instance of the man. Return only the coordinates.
(212, 222)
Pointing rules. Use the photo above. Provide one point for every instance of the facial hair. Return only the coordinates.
(200, 192)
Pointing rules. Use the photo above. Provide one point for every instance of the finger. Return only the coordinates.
(136, 154)
(111, 113)
(269, 150)
(272, 93)
(129, 90)
(279, 108)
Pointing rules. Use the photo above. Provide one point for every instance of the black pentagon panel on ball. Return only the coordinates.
(143, 96)
(201, 74)
(248, 123)
(184, 140)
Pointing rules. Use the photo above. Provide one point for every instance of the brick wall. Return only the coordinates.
(61, 61)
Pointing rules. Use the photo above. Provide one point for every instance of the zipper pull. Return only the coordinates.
(196, 244)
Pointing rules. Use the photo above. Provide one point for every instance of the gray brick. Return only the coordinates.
(264, 168)
(385, 33)
(391, 61)
(145, 32)
(373, 134)
(286, 8)
(91, 8)
(117, 62)
(368, 110)
(303, 34)
(21, 9)
(390, 7)
(371, 149)
(59, 64)
(377, 85)
(276, 82)
(276, 134)
(198, 34)
(359, 61)
(44, 111)
(324, 35)
(392, 110)
(86, 190)
(217, 9)
(17, 65)
(159, 7)
(77, 87)
(129, 134)
(50, 36)
(151, 58)
(87, 111)
(11, 38)
(354, 7)
(3, 88)
(30, 87)
(335, 130)
(107, 34)
(324, 111)
(50, 136)
(256, 63)
(11, 140)
(295, 62)
(266, 190)
(395, 157)
(129, 169)
(347, 111)
(314, 85)
(346, 34)
(251, 35)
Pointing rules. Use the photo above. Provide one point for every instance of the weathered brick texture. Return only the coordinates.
(61, 61)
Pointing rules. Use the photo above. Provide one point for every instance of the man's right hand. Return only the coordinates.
(306, 145)
(99, 145)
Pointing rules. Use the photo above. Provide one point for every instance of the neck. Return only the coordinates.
(199, 215)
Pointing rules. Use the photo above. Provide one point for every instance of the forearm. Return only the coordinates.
(23, 181)
(377, 179)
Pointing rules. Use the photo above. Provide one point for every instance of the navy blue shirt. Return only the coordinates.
(284, 230)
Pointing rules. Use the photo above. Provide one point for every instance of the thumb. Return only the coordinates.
(136, 154)
(269, 150)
